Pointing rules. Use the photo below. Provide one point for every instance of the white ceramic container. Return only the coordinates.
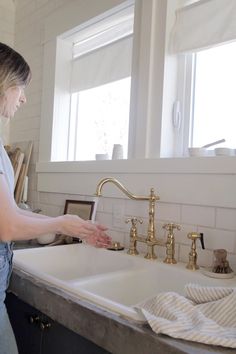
(197, 151)
(46, 239)
(224, 151)
(117, 153)
(101, 156)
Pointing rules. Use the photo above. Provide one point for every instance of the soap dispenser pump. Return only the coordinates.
(194, 236)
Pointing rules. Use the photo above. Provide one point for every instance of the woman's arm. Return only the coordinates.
(15, 225)
(31, 213)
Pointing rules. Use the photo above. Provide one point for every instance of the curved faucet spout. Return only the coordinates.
(121, 187)
(150, 239)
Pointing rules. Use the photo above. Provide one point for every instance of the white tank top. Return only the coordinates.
(6, 167)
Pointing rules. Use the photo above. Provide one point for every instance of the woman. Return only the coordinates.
(15, 223)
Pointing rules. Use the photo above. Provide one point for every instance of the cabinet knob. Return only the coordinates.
(45, 325)
(34, 319)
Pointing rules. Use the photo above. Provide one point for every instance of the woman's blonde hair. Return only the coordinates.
(14, 71)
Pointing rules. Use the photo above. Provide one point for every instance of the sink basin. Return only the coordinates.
(122, 291)
(70, 262)
(113, 280)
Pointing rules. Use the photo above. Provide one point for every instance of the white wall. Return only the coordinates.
(7, 32)
(217, 222)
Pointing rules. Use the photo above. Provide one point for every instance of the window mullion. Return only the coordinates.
(185, 94)
(76, 126)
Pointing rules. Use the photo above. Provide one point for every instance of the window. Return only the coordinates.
(214, 110)
(62, 53)
(207, 66)
(98, 83)
(99, 118)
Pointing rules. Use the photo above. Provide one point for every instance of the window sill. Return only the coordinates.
(184, 165)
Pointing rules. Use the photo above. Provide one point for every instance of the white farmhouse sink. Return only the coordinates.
(71, 262)
(120, 292)
(113, 280)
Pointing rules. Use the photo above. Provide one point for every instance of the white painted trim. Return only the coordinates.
(189, 165)
(206, 181)
(74, 14)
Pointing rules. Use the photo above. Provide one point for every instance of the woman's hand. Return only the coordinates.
(93, 234)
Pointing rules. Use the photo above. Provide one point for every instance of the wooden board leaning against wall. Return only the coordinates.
(20, 154)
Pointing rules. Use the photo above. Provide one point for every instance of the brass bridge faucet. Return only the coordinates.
(151, 239)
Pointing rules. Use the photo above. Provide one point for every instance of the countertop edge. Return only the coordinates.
(106, 329)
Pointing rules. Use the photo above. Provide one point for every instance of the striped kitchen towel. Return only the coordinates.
(205, 314)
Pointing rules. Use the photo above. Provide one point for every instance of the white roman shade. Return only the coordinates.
(102, 51)
(109, 63)
(203, 24)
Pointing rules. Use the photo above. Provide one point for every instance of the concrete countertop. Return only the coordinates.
(106, 329)
(18, 245)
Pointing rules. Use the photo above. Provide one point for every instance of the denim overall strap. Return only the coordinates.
(7, 339)
(6, 255)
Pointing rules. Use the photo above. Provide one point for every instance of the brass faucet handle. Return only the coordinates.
(134, 221)
(133, 235)
(170, 244)
(171, 226)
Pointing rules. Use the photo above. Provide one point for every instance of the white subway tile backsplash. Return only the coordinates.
(52, 199)
(136, 208)
(215, 238)
(105, 219)
(181, 235)
(183, 253)
(204, 258)
(226, 218)
(117, 236)
(50, 210)
(160, 252)
(232, 261)
(126, 240)
(198, 215)
(106, 204)
(168, 212)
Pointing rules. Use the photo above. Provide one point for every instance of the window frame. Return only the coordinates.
(185, 94)
(147, 93)
(147, 78)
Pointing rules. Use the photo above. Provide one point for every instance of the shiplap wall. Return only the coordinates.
(7, 34)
